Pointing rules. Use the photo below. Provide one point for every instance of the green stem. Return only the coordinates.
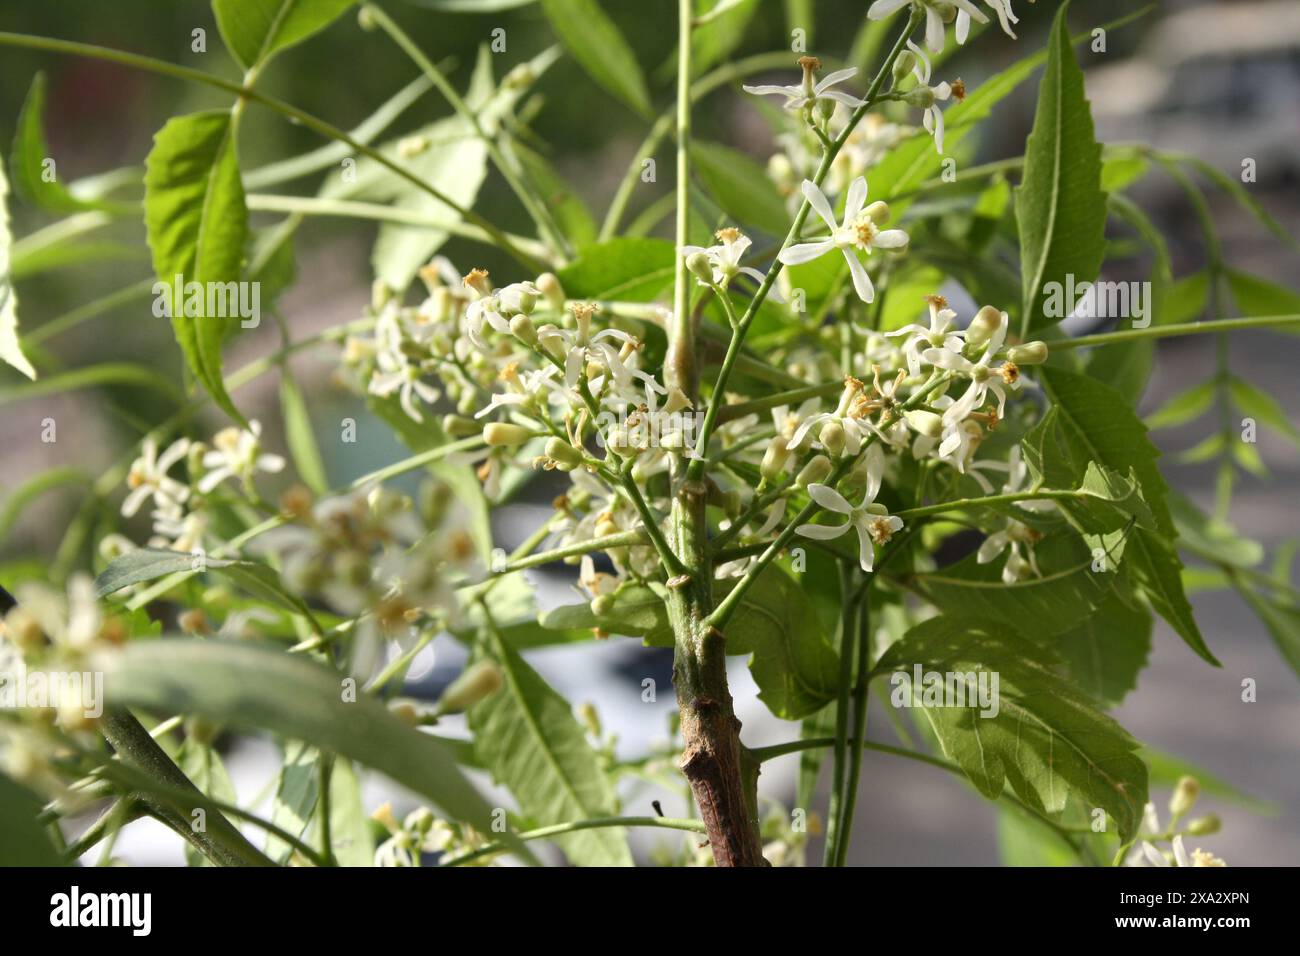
(559, 829)
(796, 229)
(1174, 331)
(862, 668)
(848, 618)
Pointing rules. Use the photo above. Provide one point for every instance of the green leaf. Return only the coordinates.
(95, 376)
(567, 207)
(1256, 296)
(627, 270)
(1060, 207)
(1099, 426)
(18, 500)
(1120, 172)
(1183, 408)
(1281, 620)
(1187, 297)
(299, 434)
(717, 39)
(600, 49)
(1238, 191)
(1047, 739)
(256, 30)
(352, 838)
(296, 794)
(30, 153)
(740, 186)
(1166, 770)
(1262, 406)
(10, 349)
(197, 225)
(1212, 537)
(526, 734)
(206, 770)
(1067, 591)
(25, 842)
(259, 687)
(1106, 652)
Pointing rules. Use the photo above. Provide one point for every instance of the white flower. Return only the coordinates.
(806, 94)
(73, 621)
(148, 477)
(1010, 539)
(860, 230)
(1001, 7)
(872, 522)
(934, 19)
(845, 415)
(725, 257)
(933, 116)
(237, 453)
(941, 333)
(1197, 857)
(981, 373)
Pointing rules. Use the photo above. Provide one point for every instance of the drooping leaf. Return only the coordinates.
(299, 434)
(569, 210)
(1108, 649)
(1257, 297)
(258, 687)
(33, 180)
(350, 832)
(527, 735)
(1046, 739)
(1060, 207)
(11, 351)
(296, 794)
(1184, 407)
(197, 225)
(1098, 425)
(256, 30)
(596, 43)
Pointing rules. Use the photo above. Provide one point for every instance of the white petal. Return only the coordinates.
(821, 532)
(839, 76)
(771, 90)
(805, 252)
(861, 281)
(993, 545)
(1155, 856)
(866, 551)
(883, 8)
(856, 199)
(1180, 853)
(933, 30)
(875, 472)
(817, 199)
(134, 500)
(830, 499)
(963, 26)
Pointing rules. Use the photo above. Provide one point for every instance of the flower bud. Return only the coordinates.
(476, 683)
(925, 423)
(550, 288)
(381, 293)
(1206, 825)
(815, 472)
(1185, 794)
(904, 65)
(825, 110)
(479, 282)
(565, 456)
(832, 438)
(588, 717)
(922, 97)
(522, 326)
(774, 458)
(505, 433)
(406, 712)
(981, 329)
(602, 604)
(1031, 353)
(698, 264)
(457, 427)
(879, 212)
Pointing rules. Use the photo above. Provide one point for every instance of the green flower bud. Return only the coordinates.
(1206, 825)
(832, 438)
(457, 427)
(602, 604)
(476, 683)
(879, 212)
(825, 110)
(925, 423)
(698, 264)
(1031, 353)
(588, 717)
(565, 456)
(1185, 794)
(500, 434)
(774, 458)
(983, 326)
(381, 293)
(522, 326)
(903, 65)
(815, 472)
(550, 287)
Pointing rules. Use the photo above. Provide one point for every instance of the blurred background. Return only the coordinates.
(1219, 80)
